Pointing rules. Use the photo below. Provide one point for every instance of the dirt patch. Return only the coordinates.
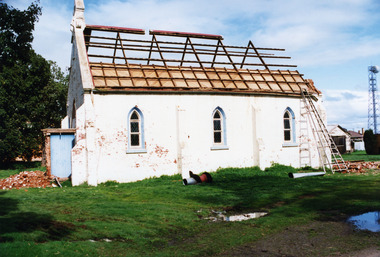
(370, 252)
(318, 238)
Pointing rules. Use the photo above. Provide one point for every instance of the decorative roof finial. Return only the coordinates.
(78, 15)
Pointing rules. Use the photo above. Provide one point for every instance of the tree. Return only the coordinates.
(369, 142)
(32, 90)
(16, 33)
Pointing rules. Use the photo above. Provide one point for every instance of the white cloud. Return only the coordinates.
(314, 33)
(334, 40)
(52, 37)
(322, 32)
(347, 108)
(153, 14)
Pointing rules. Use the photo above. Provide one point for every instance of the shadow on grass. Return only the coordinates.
(13, 221)
(257, 190)
(246, 188)
(348, 197)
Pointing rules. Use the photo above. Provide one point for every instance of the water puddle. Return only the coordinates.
(246, 216)
(104, 240)
(240, 217)
(367, 221)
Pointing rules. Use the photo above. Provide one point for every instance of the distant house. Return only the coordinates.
(357, 143)
(341, 138)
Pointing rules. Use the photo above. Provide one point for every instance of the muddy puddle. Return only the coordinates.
(222, 216)
(367, 221)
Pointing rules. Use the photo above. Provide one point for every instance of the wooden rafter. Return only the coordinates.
(161, 47)
(187, 60)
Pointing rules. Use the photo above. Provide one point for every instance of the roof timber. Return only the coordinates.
(89, 28)
(132, 76)
(173, 49)
(184, 34)
(121, 60)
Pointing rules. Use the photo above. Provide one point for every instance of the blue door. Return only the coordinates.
(60, 147)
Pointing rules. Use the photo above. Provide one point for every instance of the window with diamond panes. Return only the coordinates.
(287, 127)
(135, 129)
(218, 129)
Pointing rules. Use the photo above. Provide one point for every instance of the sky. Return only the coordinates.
(332, 42)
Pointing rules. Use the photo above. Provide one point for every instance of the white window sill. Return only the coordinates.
(131, 151)
(289, 144)
(219, 147)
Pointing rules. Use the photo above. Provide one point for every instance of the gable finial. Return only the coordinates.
(78, 15)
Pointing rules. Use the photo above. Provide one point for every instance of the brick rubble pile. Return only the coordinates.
(361, 166)
(26, 179)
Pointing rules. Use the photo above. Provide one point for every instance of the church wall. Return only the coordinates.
(178, 133)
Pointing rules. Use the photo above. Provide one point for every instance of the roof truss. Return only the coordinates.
(125, 45)
(123, 59)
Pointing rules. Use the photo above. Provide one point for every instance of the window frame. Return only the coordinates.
(141, 147)
(291, 129)
(223, 130)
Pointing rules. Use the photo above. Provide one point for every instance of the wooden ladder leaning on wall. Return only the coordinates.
(325, 143)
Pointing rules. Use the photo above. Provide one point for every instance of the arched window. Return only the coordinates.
(135, 129)
(136, 141)
(219, 129)
(289, 126)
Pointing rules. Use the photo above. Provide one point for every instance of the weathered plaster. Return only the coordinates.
(79, 171)
(178, 134)
(178, 128)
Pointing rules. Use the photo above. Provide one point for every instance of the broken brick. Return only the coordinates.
(27, 179)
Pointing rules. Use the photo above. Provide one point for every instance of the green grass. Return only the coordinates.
(360, 156)
(162, 217)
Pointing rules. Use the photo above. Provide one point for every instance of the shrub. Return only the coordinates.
(369, 142)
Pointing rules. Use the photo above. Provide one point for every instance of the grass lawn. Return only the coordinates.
(162, 217)
(360, 156)
(17, 167)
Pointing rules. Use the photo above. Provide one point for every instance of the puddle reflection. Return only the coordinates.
(247, 216)
(367, 221)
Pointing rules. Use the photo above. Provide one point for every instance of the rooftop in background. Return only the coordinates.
(355, 134)
(123, 59)
(331, 127)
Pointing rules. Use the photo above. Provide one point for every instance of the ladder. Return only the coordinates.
(325, 144)
(304, 139)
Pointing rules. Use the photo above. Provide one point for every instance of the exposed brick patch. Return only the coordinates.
(160, 151)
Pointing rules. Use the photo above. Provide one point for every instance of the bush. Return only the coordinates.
(369, 142)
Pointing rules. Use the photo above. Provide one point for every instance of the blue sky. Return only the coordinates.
(332, 42)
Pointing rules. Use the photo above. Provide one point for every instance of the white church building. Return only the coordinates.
(146, 104)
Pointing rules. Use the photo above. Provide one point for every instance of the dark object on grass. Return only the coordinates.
(206, 177)
(195, 179)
